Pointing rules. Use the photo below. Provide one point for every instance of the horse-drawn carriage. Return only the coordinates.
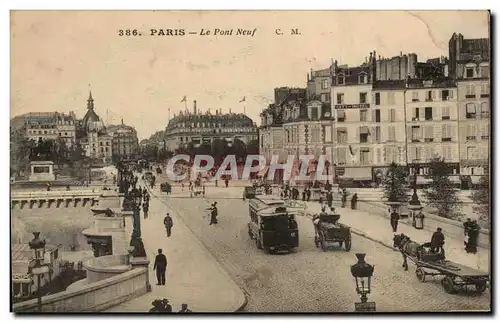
(328, 230)
(166, 187)
(430, 262)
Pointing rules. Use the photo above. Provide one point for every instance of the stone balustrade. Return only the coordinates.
(93, 297)
(88, 197)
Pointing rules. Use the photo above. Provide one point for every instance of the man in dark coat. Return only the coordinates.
(473, 234)
(145, 209)
(437, 241)
(394, 221)
(308, 194)
(213, 214)
(354, 201)
(160, 266)
(169, 223)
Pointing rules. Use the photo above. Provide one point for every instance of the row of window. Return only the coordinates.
(362, 78)
(385, 155)
(362, 98)
(210, 125)
(363, 115)
(477, 72)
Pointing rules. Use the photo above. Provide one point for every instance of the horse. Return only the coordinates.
(407, 247)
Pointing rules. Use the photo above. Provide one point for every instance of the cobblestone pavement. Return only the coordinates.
(309, 280)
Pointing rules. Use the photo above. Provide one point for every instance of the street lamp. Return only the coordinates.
(393, 201)
(136, 240)
(363, 272)
(415, 207)
(38, 269)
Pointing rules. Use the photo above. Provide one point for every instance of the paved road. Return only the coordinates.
(310, 280)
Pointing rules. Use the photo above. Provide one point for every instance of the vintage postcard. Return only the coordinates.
(250, 161)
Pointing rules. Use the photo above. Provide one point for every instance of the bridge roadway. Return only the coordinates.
(83, 197)
(308, 280)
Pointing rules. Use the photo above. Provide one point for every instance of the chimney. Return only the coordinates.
(122, 121)
(229, 111)
(220, 111)
(194, 108)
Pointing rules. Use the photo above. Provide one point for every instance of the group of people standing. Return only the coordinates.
(471, 232)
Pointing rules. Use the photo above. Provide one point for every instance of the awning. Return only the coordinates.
(341, 114)
(454, 179)
(364, 130)
(357, 173)
(475, 179)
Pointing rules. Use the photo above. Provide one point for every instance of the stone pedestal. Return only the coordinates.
(42, 171)
(141, 262)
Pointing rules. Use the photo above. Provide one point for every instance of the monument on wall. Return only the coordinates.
(42, 171)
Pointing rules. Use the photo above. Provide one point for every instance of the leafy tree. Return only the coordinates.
(219, 150)
(253, 147)
(204, 149)
(481, 198)
(239, 149)
(21, 150)
(441, 193)
(395, 183)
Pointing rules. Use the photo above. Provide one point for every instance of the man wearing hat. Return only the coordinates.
(160, 266)
(437, 241)
(213, 214)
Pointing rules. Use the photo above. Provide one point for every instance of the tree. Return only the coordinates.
(441, 193)
(21, 150)
(219, 150)
(239, 149)
(395, 183)
(253, 147)
(481, 198)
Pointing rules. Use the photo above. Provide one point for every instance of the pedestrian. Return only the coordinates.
(394, 221)
(473, 234)
(169, 223)
(160, 266)
(216, 183)
(48, 186)
(184, 308)
(344, 198)
(226, 182)
(308, 194)
(304, 194)
(437, 241)
(145, 209)
(213, 214)
(354, 201)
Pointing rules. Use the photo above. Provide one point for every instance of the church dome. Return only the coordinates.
(91, 120)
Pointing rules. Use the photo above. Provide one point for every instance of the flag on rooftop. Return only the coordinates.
(243, 99)
(183, 99)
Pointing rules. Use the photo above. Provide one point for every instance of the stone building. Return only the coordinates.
(469, 63)
(198, 128)
(97, 143)
(389, 126)
(51, 125)
(354, 117)
(432, 123)
(125, 143)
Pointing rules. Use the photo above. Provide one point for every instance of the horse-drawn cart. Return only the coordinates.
(328, 230)
(431, 263)
(456, 276)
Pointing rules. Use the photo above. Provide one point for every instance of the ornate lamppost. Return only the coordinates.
(415, 207)
(136, 240)
(37, 267)
(362, 273)
(392, 201)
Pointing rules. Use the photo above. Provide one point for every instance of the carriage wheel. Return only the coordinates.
(348, 244)
(448, 285)
(420, 274)
(480, 287)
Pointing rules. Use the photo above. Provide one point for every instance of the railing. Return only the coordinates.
(55, 194)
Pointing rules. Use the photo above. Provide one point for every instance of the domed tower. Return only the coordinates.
(91, 121)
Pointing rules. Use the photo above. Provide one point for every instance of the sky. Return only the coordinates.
(57, 57)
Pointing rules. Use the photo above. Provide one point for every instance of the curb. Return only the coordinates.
(245, 299)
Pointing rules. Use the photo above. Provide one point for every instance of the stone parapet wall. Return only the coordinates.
(93, 297)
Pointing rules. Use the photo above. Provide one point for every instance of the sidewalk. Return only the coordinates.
(378, 228)
(193, 275)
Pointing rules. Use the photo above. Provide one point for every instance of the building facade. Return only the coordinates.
(389, 128)
(198, 129)
(354, 118)
(432, 124)
(125, 143)
(51, 126)
(469, 63)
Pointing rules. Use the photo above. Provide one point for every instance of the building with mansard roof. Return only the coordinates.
(203, 128)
